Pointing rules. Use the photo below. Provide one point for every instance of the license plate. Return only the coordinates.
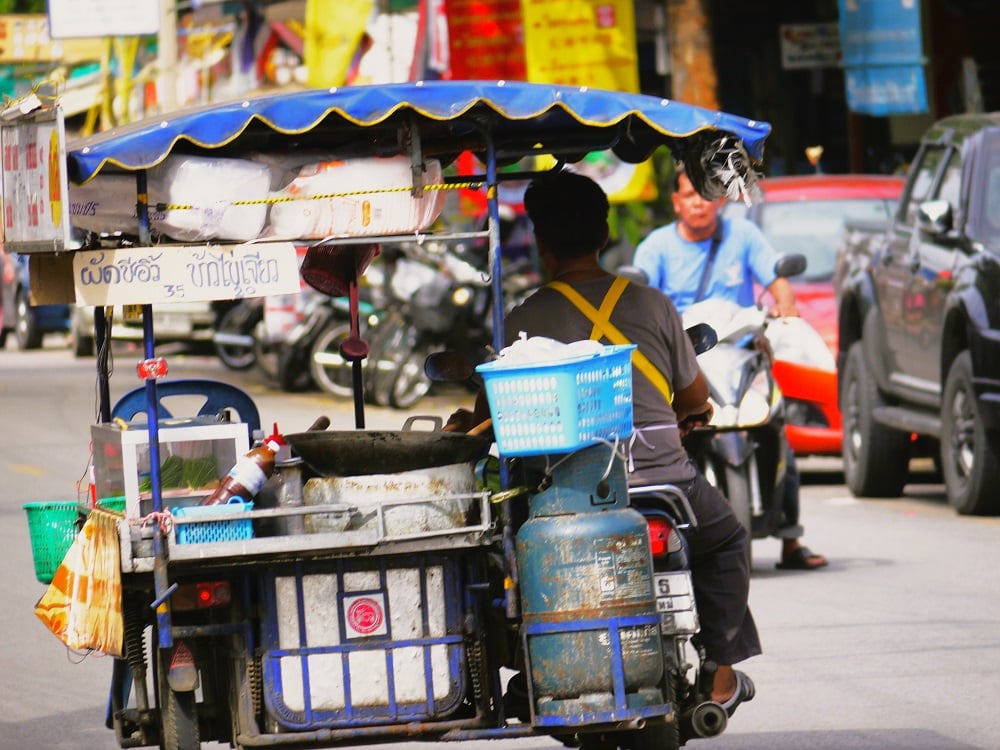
(172, 325)
(672, 584)
(675, 602)
(672, 623)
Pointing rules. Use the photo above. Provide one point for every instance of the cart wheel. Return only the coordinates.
(178, 712)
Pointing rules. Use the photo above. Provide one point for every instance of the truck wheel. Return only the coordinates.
(178, 712)
(27, 332)
(970, 454)
(876, 457)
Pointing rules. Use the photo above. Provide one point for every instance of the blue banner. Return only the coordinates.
(883, 56)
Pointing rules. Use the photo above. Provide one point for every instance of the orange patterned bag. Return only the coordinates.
(82, 605)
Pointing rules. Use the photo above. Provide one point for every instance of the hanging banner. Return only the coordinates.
(589, 43)
(883, 56)
(486, 40)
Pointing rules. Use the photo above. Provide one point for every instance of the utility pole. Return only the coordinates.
(692, 63)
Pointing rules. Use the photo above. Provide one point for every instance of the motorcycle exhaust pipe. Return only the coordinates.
(708, 719)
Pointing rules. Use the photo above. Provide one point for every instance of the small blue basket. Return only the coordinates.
(213, 531)
(558, 407)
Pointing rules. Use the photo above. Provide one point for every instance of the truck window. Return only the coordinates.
(951, 181)
(923, 179)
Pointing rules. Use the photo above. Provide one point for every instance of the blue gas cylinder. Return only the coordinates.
(589, 622)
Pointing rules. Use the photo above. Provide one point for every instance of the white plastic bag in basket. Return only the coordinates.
(540, 350)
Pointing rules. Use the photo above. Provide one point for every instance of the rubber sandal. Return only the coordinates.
(745, 691)
(802, 558)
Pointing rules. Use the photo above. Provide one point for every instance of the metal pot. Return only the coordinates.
(357, 452)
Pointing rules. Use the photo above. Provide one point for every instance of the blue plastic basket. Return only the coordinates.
(561, 406)
(213, 531)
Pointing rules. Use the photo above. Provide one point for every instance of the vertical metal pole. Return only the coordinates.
(152, 417)
(511, 603)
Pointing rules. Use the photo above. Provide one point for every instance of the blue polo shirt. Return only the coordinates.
(675, 266)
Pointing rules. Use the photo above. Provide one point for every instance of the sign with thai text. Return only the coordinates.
(154, 275)
(809, 45)
(590, 43)
(33, 180)
(883, 56)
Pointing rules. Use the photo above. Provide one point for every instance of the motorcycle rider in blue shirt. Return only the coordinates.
(701, 256)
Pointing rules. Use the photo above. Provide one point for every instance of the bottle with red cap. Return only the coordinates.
(246, 478)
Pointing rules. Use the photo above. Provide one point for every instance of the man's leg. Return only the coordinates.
(721, 579)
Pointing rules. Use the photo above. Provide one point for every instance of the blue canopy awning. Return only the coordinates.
(450, 117)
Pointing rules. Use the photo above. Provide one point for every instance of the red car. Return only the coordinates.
(806, 215)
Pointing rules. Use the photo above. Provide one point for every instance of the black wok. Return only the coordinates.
(358, 452)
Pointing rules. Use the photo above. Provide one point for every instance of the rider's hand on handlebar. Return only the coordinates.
(701, 419)
(787, 310)
(462, 420)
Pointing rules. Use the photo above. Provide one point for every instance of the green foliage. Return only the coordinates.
(23, 6)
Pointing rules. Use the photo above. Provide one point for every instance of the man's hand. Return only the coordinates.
(462, 420)
(701, 419)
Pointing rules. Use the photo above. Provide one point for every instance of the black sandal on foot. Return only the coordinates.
(745, 691)
(801, 558)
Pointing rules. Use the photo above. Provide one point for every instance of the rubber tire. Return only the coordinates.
(411, 383)
(389, 349)
(178, 713)
(665, 736)
(875, 457)
(970, 454)
(293, 371)
(27, 333)
(335, 379)
(238, 320)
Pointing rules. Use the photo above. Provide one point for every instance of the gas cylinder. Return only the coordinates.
(589, 622)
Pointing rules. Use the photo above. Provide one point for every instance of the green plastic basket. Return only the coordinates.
(116, 504)
(53, 528)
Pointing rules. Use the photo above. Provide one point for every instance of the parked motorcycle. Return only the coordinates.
(251, 332)
(743, 450)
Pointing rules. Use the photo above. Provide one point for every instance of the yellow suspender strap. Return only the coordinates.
(604, 327)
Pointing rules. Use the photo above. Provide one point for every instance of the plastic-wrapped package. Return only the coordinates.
(347, 209)
(210, 185)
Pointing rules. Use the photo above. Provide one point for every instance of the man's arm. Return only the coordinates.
(784, 299)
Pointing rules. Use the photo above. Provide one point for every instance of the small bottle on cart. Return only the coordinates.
(246, 478)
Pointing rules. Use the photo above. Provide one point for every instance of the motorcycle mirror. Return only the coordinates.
(331, 269)
(703, 337)
(790, 265)
(634, 274)
(449, 367)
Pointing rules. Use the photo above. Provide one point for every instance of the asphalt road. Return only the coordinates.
(895, 645)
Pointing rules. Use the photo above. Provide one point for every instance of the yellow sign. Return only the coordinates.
(25, 38)
(334, 30)
(589, 43)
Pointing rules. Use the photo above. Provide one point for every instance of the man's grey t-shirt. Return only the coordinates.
(650, 321)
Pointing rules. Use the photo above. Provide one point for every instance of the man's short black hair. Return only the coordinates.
(569, 212)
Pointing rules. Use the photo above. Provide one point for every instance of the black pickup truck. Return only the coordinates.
(919, 320)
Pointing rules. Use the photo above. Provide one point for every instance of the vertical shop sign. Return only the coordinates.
(486, 40)
(883, 58)
(34, 185)
(581, 43)
(589, 43)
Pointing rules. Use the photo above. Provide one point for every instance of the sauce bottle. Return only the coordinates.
(246, 478)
